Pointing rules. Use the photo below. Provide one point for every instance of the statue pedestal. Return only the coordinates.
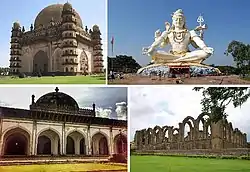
(190, 69)
(180, 70)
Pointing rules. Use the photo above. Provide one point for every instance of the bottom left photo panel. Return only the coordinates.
(80, 128)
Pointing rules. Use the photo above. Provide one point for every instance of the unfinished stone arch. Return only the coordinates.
(220, 135)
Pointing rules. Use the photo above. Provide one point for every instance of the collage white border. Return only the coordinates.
(122, 86)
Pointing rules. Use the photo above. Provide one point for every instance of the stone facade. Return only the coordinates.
(214, 136)
(57, 43)
(65, 129)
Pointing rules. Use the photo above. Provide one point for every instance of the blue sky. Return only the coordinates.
(133, 24)
(25, 11)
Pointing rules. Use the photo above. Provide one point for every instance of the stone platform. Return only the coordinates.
(179, 68)
(23, 160)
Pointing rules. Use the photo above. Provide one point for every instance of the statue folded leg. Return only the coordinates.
(194, 56)
(162, 55)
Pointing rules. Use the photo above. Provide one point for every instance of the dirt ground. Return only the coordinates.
(133, 79)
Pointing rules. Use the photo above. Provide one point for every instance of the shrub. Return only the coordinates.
(39, 74)
(119, 158)
(21, 75)
(245, 157)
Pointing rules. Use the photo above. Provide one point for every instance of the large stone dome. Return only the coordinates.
(55, 12)
(57, 99)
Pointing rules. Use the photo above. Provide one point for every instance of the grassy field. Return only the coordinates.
(61, 168)
(55, 80)
(183, 164)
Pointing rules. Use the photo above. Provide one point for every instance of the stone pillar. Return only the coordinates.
(146, 137)
(111, 141)
(77, 146)
(1, 135)
(63, 140)
(245, 140)
(170, 134)
(216, 135)
(89, 141)
(54, 146)
(34, 138)
(51, 65)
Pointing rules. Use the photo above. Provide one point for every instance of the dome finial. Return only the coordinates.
(57, 89)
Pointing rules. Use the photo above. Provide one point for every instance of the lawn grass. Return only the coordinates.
(184, 164)
(61, 167)
(55, 80)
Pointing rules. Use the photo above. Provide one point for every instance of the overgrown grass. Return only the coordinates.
(61, 167)
(243, 157)
(186, 164)
(55, 80)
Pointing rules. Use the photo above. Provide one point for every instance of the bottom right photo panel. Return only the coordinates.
(188, 128)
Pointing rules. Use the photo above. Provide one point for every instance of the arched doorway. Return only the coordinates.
(16, 142)
(120, 144)
(70, 147)
(48, 142)
(40, 62)
(82, 147)
(75, 143)
(100, 144)
(57, 60)
(84, 62)
(44, 145)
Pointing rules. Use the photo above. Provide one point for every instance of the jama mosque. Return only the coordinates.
(56, 125)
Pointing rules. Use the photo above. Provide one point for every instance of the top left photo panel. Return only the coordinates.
(53, 42)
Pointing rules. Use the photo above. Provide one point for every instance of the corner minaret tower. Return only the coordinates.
(15, 49)
(69, 55)
(97, 50)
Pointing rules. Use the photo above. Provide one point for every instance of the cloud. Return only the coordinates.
(4, 104)
(105, 98)
(103, 113)
(157, 105)
(121, 110)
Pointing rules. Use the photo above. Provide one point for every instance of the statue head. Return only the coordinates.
(178, 19)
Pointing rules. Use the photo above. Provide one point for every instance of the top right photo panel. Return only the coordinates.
(178, 42)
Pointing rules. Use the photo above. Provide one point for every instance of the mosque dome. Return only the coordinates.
(57, 99)
(54, 11)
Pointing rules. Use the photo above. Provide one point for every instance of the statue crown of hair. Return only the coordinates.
(178, 12)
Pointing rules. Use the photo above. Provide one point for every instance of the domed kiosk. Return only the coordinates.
(57, 43)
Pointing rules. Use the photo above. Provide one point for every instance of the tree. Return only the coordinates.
(123, 63)
(228, 70)
(216, 99)
(241, 55)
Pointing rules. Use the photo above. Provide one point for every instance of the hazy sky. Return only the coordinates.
(105, 98)
(25, 11)
(133, 24)
(157, 105)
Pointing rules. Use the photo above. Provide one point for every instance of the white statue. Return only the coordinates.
(179, 37)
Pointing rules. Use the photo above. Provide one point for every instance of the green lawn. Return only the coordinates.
(183, 164)
(61, 168)
(55, 80)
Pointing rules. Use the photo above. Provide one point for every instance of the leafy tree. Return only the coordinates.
(241, 55)
(123, 63)
(228, 70)
(216, 99)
